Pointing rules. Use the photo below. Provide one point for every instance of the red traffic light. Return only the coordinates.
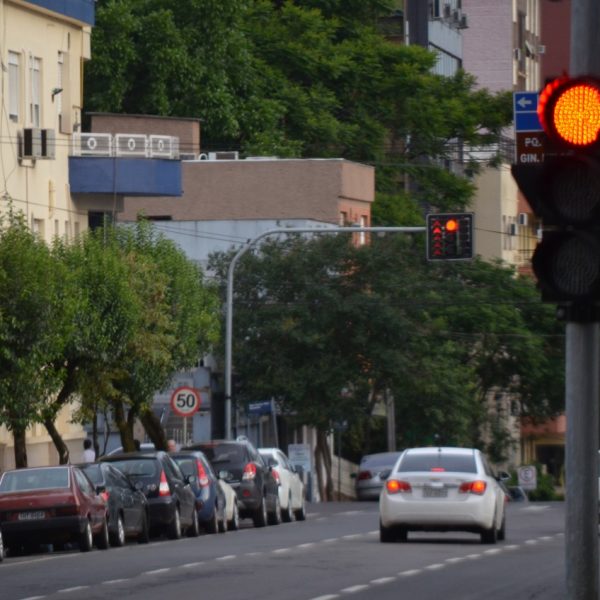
(569, 110)
(450, 236)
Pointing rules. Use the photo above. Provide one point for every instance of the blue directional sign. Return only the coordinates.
(525, 111)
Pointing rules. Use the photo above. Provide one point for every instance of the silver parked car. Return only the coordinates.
(369, 482)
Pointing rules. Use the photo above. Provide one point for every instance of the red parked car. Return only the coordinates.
(51, 505)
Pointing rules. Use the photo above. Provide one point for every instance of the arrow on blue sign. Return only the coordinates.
(525, 112)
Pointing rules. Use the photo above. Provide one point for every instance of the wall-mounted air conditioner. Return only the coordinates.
(163, 146)
(522, 219)
(464, 22)
(30, 143)
(130, 144)
(223, 155)
(48, 143)
(447, 11)
(92, 144)
(456, 16)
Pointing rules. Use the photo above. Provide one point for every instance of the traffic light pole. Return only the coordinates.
(582, 377)
(229, 300)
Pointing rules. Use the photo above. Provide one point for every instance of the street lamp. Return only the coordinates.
(229, 302)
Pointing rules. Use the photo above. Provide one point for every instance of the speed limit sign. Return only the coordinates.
(185, 401)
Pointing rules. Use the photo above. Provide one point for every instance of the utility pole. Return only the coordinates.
(582, 376)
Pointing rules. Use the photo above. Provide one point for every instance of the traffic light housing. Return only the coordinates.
(450, 236)
(564, 193)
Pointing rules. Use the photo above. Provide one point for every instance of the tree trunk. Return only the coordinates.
(125, 431)
(323, 456)
(20, 448)
(61, 447)
(154, 429)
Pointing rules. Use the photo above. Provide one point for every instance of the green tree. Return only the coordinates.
(34, 323)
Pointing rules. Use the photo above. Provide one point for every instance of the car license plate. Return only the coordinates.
(32, 515)
(435, 492)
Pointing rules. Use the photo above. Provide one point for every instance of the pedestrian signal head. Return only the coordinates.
(569, 110)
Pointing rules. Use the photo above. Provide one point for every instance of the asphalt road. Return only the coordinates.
(335, 553)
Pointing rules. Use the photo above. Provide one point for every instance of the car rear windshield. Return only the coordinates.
(225, 455)
(438, 461)
(137, 467)
(187, 465)
(35, 479)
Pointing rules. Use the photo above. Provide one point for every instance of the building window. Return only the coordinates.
(14, 86)
(37, 226)
(36, 85)
(59, 86)
(343, 218)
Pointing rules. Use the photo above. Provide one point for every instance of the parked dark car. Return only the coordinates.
(171, 501)
(241, 466)
(51, 505)
(210, 500)
(127, 506)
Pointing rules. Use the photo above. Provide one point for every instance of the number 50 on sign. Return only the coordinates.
(185, 401)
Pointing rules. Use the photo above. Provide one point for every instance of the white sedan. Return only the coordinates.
(231, 514)
(442, 489)
(291, 486)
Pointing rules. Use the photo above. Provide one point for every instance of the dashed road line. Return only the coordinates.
(435, 566)
(191, 565)
(114, 581)
(226, 557)
(409, 573)
(76, 588)
(156, 571)
(382, 580)
(353, 589)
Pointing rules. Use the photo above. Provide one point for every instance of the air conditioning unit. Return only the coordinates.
(456, 16)
(522, 219)
(229, 155)
(30, 143)
(163, 146)
(130, 144)
(513, 229)
(92, 144)
(447, 11)
(464, 22)
(48, 143)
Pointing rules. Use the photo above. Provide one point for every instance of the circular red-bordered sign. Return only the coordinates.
(185, 401)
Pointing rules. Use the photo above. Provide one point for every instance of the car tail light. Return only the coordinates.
(437, 469)
(276, 476)
(364, 475)
(105, 495)
(202, 477)
(249, 471)
(473, 487)
(393, 486)
(163, 486)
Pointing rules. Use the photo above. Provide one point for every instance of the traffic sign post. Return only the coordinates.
(185, 402)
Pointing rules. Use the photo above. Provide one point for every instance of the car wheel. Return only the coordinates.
(502, 531)
(144, 534)
(300, 513)
(288, 514)
(275, 516)
(234, 523)
(174, 528)
(402, 534)
(212, 526)
(118, 536)
(86, 540)
(386, 534)
(489, 536)
(194, 529)
(102, 539)
(260, 514)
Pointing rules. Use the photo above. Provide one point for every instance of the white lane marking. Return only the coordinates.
(321, 519)
(545, 538)
(435, 566)
(354, 588)
(329, 540)
(382, 580)
(374, 532)
(113, 581)
(455, 559)
(352, 512)
(327, 597)
(33, 598)
(561, 534)
(531, 542)
(156, 571)
(226, 557)
(191, 565)
(353, 536)
(77, 588)
(280, 550)
(409, 573)
(493, 551)
(511, 547)
(308, 545)
(473, 556)
(535, 508)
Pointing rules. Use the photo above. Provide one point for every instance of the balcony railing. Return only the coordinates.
(129, 145)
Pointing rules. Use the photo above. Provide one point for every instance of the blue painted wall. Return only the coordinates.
(82, 10)
(125, 176)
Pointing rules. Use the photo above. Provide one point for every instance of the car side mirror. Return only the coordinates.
(503, 476)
